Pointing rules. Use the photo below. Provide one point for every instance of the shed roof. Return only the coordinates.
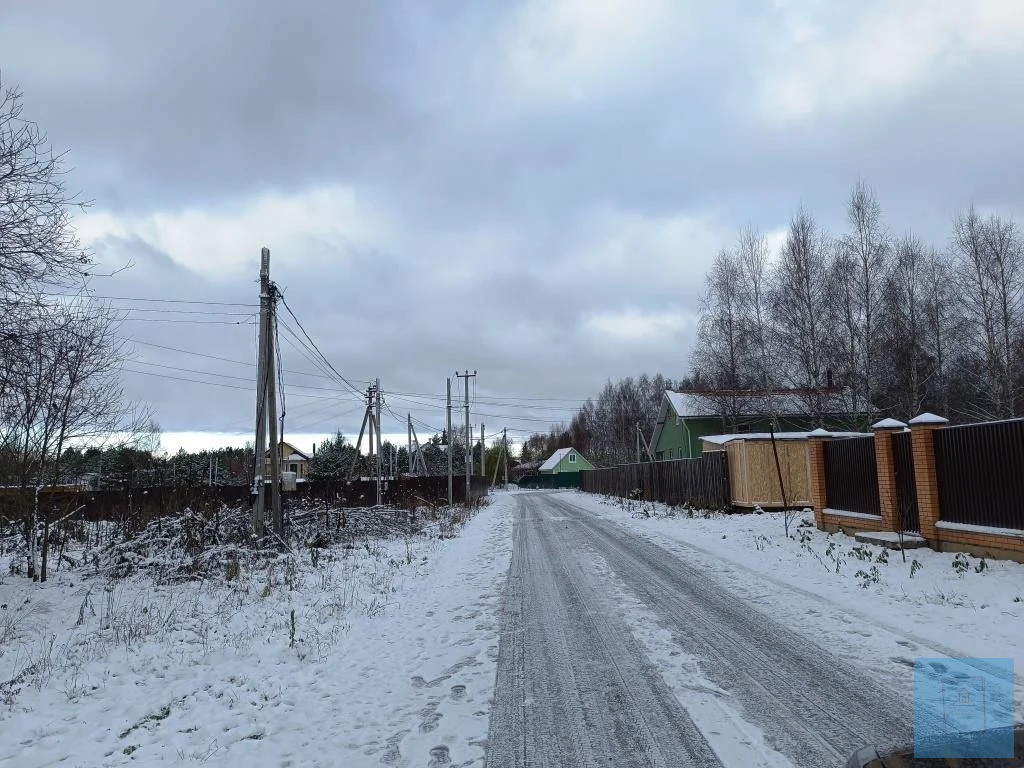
(723, 439)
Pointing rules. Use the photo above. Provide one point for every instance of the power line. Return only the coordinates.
(196, 322)
(182, 311)
(321, 354)
(140, 298)
(216, 374)
(494, 415)
(247, 363)
(228, 386)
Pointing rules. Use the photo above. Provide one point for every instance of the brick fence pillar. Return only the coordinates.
(887, 497)
(816, 472)
(923, 441)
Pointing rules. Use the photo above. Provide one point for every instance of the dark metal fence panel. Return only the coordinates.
(980, 469)
(906, 486)
(554, 480)
(701, 482)
(851, 475)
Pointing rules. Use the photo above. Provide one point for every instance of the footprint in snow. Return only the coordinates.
(439, 757)
(392, 755)
(430, 716)
(458, 692)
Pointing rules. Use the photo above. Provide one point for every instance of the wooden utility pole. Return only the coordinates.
(379, 444)
(640, 439)
(416, 453)
(408, 435)
(504, 452)
(277, 516)
(448, 439)
(483, 453)
(469, 434)
(359, 441)
(494, 480)
(260, 459)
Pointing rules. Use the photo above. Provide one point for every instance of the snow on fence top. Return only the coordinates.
(723, 439)
(889, 424)
(929, 418)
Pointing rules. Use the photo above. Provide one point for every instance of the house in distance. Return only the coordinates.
(292, 460)
(564, 461)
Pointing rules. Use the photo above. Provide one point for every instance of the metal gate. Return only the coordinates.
(906, 485)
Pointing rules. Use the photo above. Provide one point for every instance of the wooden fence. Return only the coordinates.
(754, 475)
(980, 473)
(138, 506)
(702, 482)
(851, 475)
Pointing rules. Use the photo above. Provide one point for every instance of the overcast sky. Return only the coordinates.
(530, 189)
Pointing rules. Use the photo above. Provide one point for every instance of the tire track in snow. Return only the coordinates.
(573, 686)
(812, 706)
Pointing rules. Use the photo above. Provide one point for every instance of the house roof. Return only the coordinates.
(784, 402)
(290, 452)
(556, 457)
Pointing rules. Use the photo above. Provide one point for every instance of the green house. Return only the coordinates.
(687, 416)
(565, 460)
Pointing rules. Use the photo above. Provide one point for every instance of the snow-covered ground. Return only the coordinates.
(391, 656)
(862, 600)
(379, 655)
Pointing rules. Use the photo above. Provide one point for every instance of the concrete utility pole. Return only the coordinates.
(504, 452)
(638, 442)
(469, 434)
(483, 453)
(258, 509)
(408, 435)
(448, 438)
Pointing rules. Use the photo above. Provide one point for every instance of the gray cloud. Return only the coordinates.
(519, 216)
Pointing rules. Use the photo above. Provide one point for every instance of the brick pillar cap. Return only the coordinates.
(928, 418)
(819, 432)
(888, 424)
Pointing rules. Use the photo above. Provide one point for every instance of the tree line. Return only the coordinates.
(604, 429)
(902, 325)
(872, 321)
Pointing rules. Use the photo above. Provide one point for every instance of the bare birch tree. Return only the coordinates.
(800, 307)
(721, 353)
(865, 252)
(903, 311)
(988, 257)
(754, 258)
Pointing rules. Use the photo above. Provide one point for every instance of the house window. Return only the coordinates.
(572, 458)
(671, 453)
(293, 468)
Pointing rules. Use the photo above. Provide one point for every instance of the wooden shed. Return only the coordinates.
(753, 475)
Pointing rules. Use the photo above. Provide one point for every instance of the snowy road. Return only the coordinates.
(614, 651)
